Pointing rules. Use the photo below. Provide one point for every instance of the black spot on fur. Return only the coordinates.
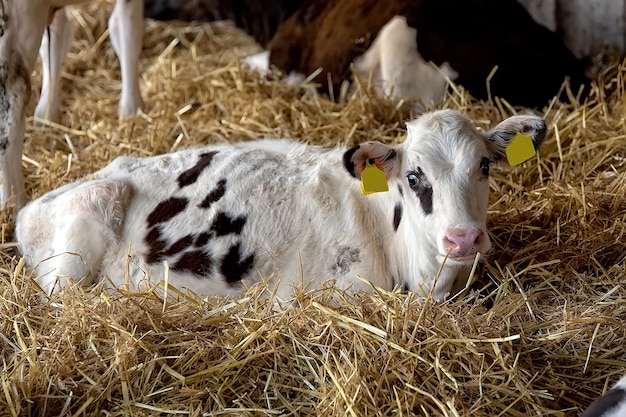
(166, 209)
(196, 262)
(203, 239)
(224, 224)
(214, 195)
(602, 405)
(179, 246)
(348, 163)
(191, 175)
(400, 190)
(156, 245)
(234, 266)
(346, 256)
(397, 216)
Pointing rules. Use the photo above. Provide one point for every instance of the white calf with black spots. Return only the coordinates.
(22, 25)
(222, 214)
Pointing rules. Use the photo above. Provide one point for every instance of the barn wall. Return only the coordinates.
(586, 26)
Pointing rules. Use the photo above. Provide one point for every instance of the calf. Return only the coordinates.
(226, 213)
(611, 404)
(22, 24)
(397, 40)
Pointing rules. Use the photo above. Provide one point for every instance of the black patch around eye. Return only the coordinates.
(423, 190)
(484, 166)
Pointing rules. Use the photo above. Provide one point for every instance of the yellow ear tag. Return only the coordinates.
(373, 180)
(520, 149)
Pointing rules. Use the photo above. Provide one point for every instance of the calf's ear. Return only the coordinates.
(386, 158)
(501, 135)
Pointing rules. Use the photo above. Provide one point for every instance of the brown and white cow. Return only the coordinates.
(410, 48)
(232, 212)
(490, 47)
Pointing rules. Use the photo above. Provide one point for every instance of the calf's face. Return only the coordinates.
(442, 171)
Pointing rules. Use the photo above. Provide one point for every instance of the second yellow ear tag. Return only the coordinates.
(520, 149)
(373, 179)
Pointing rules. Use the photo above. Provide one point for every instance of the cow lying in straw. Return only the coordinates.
(611, 404)
(225, 213)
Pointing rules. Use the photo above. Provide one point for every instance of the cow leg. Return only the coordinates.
(52, 52)
(21, 27)
(126, 29)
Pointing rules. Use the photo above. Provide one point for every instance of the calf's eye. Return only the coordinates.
(413, 180)
(484, 166)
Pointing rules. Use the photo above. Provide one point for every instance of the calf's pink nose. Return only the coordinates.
(463, 242)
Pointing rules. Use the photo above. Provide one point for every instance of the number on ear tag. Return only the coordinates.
(373, 179)
(520, 149)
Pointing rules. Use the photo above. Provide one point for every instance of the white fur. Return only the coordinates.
(306, 218)
(396, 68)
(261, 64)
(20, 39)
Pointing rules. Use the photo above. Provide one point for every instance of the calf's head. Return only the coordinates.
(442, 171)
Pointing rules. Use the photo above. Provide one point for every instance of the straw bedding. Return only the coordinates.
(541, 332)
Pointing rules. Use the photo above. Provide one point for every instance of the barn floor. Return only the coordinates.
(542, 331)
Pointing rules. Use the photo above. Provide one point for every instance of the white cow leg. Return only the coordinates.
(21, 26)
(52, 51)
(126, 28)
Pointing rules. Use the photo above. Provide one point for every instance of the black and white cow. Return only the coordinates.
(226, 213)
(611, 404)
